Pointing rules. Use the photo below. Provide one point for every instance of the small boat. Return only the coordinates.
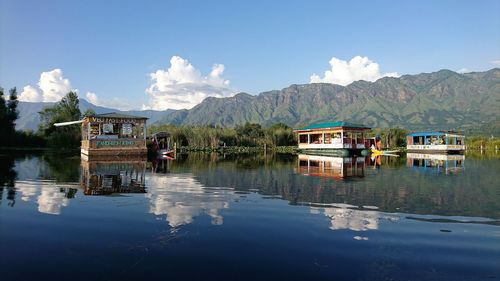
(376, 152)
(162, 146)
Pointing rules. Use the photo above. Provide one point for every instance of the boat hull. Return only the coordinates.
(335, 152)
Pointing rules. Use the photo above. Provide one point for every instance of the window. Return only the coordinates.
(302, 138)
(328, 138)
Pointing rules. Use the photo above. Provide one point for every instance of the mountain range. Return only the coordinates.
(441, 100)
(29, 117)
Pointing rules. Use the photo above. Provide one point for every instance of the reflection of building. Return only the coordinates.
(181, 198)
(107, 177)
(328, 166)
(442, 163)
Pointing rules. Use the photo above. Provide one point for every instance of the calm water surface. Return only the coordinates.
(288, 217)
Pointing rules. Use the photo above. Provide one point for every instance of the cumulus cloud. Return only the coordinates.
(52, 86)
(345, 72)
(31, 94)
(118, 103)
(495, 62)
(183, 86)
(463, 70)
(92, 98)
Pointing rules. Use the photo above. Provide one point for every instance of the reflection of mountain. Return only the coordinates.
(181, 198)
(393, 187)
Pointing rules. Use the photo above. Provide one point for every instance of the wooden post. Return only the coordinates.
(175, 150)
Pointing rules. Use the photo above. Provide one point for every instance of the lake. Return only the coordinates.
(250, 217)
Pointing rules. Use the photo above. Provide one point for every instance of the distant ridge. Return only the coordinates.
(29, 118)
(443, 100)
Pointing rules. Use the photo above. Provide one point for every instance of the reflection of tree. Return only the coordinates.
(7, 179)
(50, 196)
(392, 188)
(60, 167)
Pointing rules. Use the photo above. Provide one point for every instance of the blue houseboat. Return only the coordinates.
(435, 142)
(333, 138)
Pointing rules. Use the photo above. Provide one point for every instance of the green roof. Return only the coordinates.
(118, 115)
(328, 125)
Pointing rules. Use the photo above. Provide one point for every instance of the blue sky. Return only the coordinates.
(111, 48)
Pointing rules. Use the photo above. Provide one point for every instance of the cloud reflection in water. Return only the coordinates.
(181, 198)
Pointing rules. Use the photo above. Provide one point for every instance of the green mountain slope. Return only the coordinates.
(438, 100)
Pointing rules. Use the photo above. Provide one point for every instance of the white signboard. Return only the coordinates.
(107, 128)
(126, 129)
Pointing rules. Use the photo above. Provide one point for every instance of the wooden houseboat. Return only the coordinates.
(113, 134)
(333, 138)
(435, 142)
(331, 167)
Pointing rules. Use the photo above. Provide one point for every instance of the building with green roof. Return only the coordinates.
(325, 138)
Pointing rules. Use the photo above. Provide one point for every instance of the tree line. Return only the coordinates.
(47, 134)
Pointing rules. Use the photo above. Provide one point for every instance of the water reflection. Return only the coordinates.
(332, 167)
(197, 185)
(439, 163)
(50, 197)
(7, 179)
(109, 177)
(180, 198)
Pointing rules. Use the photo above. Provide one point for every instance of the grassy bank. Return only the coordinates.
(482, 143)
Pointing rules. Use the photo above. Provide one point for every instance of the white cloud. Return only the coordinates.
(183, 86)
(463, 70)
(52, 87)
(495, 62)
(117, 103)
(92, 98)
(30, 94)
(345, 72)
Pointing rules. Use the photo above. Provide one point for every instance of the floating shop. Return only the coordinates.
(113, 134)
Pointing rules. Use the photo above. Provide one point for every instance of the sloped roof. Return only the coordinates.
(118, 115)
(331, 125)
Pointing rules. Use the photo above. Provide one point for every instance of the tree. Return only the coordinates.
(65, 110)
(12, 113)
(8, 117)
